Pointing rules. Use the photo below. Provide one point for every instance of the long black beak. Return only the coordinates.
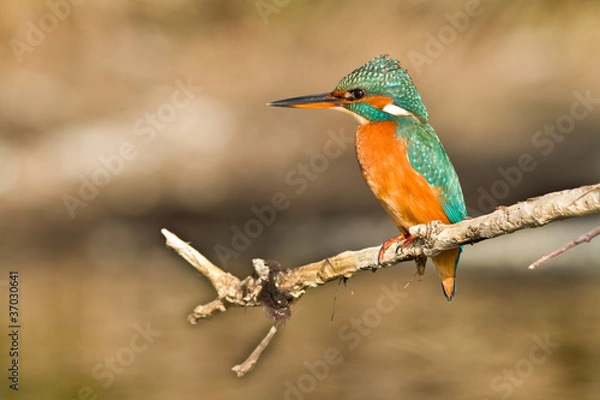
(323, 100)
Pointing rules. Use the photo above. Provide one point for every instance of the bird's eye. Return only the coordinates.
(357, 93)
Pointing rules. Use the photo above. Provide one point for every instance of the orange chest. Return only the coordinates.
(404, 193)
(382, 157)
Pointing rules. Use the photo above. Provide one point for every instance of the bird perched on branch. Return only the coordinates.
(400, 156)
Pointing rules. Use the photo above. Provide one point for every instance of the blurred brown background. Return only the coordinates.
(120, 118)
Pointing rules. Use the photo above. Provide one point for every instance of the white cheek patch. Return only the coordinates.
(395, 110)
(361, 120)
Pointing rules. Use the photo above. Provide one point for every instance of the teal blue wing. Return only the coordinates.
(428, 157)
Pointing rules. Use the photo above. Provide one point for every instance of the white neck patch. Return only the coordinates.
(395, 110)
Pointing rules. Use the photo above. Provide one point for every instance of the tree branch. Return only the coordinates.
(585, 238)
(241, 369)
(275, 287)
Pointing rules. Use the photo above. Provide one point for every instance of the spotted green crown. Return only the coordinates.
(383, 76)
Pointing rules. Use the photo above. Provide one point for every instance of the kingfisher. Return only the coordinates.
(401, 158)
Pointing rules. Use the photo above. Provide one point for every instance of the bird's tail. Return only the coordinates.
(446, 264)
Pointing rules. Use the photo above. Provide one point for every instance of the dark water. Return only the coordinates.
(507, 335)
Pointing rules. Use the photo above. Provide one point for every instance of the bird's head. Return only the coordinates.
(380, 90)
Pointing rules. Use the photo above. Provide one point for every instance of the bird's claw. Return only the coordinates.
(401, 241)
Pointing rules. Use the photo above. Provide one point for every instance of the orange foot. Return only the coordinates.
(401, 240)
